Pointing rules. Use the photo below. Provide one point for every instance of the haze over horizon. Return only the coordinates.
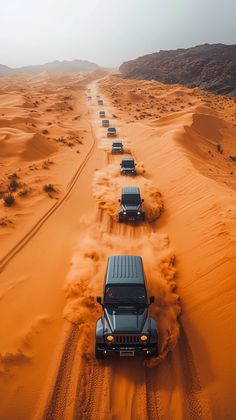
(108, 32)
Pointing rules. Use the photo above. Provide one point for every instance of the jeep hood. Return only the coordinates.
(118, 320)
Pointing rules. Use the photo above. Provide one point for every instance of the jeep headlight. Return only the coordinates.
(138, 212)
(143, 338)
(110, 338)
(124, 212)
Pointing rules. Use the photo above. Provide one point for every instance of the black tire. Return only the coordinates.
(99, 355)
(143, 217)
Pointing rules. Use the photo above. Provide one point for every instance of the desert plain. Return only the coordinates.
(60, 226)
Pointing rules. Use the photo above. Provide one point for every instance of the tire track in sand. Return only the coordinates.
(32, 232)
(56, 407)
(152, 399)
(196, 401)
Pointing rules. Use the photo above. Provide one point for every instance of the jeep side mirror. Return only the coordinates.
(99, 300)
(120, 164)
(151, 300)
(119, 200)
(142, 200)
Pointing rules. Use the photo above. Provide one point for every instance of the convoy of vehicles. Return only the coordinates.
(125, 327)
(117, 147)
(128, 166)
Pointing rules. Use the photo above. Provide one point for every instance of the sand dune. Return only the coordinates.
(55, 247)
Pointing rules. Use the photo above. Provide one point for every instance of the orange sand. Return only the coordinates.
(54, 248)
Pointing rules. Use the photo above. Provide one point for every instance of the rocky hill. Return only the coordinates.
(53, 67)
(210, 67)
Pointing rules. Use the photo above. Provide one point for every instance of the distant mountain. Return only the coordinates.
(5, 70)
(210, 66)
(53, 67)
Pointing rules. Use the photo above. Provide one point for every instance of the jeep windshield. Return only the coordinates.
(123, 295)
(131, 199)
(116, 144)
(128, 164)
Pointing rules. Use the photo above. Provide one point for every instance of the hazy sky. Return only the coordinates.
(108, 32)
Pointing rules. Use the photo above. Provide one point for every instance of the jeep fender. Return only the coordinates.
(153, 331)
(99, 332)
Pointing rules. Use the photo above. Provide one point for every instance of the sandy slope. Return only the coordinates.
(181, 141)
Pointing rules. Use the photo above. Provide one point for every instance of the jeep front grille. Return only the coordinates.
(127, 339)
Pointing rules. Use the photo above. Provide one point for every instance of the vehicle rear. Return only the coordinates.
(105, 123)
(111, 132)
(117, 147)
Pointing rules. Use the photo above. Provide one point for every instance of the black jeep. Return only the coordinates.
(131, 205)
(125, 327)
(117, 147)
(111, 132)
(127, 166)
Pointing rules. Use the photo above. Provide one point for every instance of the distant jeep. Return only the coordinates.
(127, 166)
(100, 102)
(102, 114)
(105, 123)
(111, 132)
(125, 327)
(131, 205)
(117, 147)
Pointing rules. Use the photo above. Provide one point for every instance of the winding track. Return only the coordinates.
(32, 232)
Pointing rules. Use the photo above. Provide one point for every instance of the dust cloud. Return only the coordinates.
(85, 281)
(107, 191)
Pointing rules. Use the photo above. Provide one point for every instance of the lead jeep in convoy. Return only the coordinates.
(131, 205)
(111, 132)
(117, 147)
(125, 327)
(127, 166)
(105, 123)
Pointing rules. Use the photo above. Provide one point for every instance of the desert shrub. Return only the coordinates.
(24, 192)
(49, 188)
(13, 185)
(9, 200)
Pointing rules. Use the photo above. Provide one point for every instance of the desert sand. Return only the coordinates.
(55, 244)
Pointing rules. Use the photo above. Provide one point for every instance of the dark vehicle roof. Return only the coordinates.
(116, 143)
(130, 190)
(127, 159)
(124, 269)
(105, 120)
(111, 129)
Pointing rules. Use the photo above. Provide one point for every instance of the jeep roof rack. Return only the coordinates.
(125, 269)
(130, 190)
